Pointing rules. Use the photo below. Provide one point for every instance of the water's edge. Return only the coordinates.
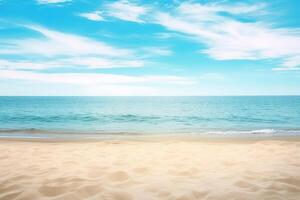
(56, 134)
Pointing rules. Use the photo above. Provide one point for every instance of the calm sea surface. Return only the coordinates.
(37, 116)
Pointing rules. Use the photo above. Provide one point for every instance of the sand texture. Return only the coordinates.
(144, 170)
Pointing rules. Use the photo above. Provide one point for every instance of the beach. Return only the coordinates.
(149, 100)
(150, 168)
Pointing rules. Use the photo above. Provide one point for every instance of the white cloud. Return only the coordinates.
(57, 49)
(91, 78)
(56, 43)
(198, 10)
(92, 62)
(86, 62)
(52, 1)
(161, 51)
(286, 69)
(23, 64)
(291, 62)
(126, 10)
(227, 38)
(170, 35)
(34, 83)
(93, 16)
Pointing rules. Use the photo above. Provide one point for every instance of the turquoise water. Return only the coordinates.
(31, 116)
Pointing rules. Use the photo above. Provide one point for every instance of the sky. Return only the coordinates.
(149, 48)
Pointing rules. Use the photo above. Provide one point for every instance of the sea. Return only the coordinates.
(60, 117)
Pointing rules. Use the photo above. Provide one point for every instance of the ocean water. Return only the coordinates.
(99, 116)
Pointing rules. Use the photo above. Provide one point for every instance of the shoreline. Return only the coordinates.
(158, 138)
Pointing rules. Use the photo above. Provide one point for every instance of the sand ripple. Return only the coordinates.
(144, 170)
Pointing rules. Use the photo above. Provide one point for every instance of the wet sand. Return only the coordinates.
(179, 169)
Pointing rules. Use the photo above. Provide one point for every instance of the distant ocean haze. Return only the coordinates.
(28, 116)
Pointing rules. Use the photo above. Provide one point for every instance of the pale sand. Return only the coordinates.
(150, 169)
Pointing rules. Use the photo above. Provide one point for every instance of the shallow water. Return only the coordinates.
(150, 115)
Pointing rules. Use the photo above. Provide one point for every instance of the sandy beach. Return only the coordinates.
(176, 169)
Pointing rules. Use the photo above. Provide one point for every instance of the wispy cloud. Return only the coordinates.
(93, 16)
(126, 10)
(160, 51)
(228, 38)
(215, 9)
(25, 64)
(55, 43)
(56, 49)
(95, 83)
(70, 62)
(291, 62)
(170, 35)
(220, 27)
(90, 78)
(286, 69)
(52, 1)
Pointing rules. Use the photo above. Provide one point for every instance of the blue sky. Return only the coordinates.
(82, 47)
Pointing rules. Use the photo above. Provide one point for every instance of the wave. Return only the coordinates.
(38, 133)
(108, 118)
(264, 131)
(257, 132)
